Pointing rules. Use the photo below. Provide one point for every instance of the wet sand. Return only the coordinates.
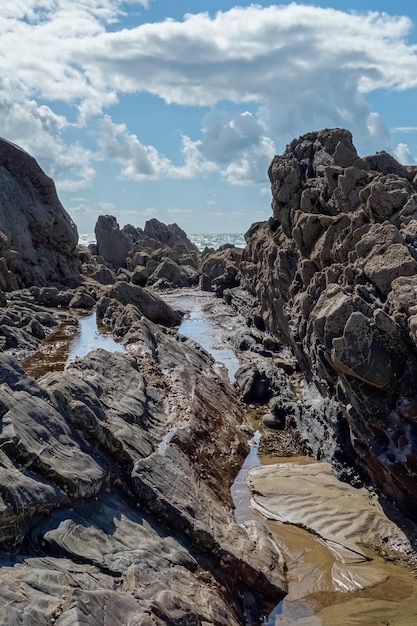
(334, 579)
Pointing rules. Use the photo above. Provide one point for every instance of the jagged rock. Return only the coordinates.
(140, 275)
(169, 235)
(86, 454)
(104, 275)
(220, 269)
(157, 251)
(82, 300)
(38, 239)
(334, 271)
(382, 269)
(254, 385)
(169, 274)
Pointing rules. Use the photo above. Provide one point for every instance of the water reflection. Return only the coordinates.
(89, 337)
(73, 338)
(199, 326)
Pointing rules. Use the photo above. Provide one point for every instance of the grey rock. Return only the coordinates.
(38, 240)
(334, 274)
(112, 245)
(150, 305)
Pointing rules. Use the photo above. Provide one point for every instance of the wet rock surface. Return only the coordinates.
(115, 477)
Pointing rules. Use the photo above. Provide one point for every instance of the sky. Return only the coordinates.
(174, 110)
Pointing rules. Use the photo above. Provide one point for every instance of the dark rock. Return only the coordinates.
(112, 244)
(104, 276)
(169, 274)
(254, 385)
(140, 275)
(271, 421)
(85, 456)
(38, 239)
(150, 305)
(334, 273)
(220, 269)
(82, 300)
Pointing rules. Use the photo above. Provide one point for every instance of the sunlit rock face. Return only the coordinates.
(38, 239)
(335, 271)
(113, 482)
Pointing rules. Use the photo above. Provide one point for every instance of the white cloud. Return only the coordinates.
(139, 162)
(304, 67)
(239, 145)
(405, 129)
(404, 155)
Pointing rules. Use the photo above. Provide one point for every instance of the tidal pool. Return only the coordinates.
(199, 326)
(73, 338)
(328, 585)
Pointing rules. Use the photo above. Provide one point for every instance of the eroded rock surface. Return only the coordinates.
(334, 272)
(158, 255)
(114, 496)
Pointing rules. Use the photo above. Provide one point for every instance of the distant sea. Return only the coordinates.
(201, 240)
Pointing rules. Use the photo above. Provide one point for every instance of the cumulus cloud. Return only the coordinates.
(404, 155)
(240, 145)
(139, 162)
(65, 62)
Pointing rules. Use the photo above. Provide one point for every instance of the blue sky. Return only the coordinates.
(174, 110)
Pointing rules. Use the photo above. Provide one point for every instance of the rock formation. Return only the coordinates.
(38, 239)
(219, 269)
(335, 273)
(159, 255)
(115, 474)
(113, 497)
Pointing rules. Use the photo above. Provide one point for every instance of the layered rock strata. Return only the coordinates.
(115, 497)
(335, 273)
(115, 473)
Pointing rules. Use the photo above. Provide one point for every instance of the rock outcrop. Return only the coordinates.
(219, 269)
(38, 239)
(115, 502)
(112, 481)
(335, 273)
(160, 255)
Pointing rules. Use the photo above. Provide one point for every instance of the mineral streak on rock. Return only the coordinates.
(335, 272)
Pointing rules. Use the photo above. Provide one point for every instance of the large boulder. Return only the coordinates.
(149, 304)
(219, 269)
(38, 239)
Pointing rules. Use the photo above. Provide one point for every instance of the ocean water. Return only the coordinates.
(201, 240)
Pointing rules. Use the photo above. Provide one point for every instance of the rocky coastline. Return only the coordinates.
(115, 477)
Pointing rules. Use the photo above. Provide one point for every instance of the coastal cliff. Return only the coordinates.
(334, 271)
